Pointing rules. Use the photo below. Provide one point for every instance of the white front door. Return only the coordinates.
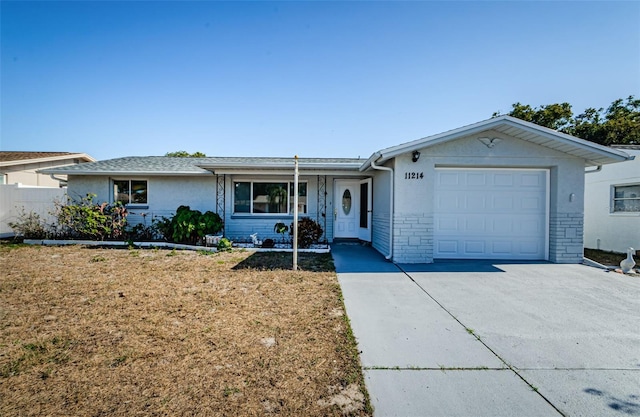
(346, 209)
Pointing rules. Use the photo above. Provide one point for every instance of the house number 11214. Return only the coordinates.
(413, 175)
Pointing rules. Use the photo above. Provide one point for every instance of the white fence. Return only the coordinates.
(15, 197)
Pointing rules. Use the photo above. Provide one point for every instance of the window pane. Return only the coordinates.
(121, 192)
(627, 205)
(364, 201)
(270, 197)
(346, 202)
(139, 192)
(628, 191)
(302, 198)
(241, 197)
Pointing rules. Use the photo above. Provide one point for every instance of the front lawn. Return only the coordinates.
(90, 332)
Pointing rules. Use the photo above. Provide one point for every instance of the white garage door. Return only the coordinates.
(490, 214)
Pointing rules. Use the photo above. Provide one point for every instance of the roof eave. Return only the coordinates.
(602, 155)
(313, 165)
(84, 156)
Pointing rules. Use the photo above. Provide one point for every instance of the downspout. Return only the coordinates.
(62, 182)
(390, 170)
(597, 169)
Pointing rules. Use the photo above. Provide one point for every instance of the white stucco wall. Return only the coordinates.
(414, 202)
(604, 229)
(165, 194)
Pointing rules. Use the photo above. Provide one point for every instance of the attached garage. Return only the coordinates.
(500, 189)
(491, 214)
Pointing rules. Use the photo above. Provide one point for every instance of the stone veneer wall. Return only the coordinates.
(413, 238)
(565, 237)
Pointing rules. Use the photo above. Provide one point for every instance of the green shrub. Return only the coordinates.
(87, 220)
(190, 226)
(309, 232)
(224, 245)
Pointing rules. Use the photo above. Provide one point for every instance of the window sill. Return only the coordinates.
(625, 213)
(137, 206)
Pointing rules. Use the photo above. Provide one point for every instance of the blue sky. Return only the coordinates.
(324, 79)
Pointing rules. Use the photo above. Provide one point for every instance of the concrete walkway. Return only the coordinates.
(493, 339)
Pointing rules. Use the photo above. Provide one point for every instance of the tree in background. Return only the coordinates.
(185, 154)
(618, 124)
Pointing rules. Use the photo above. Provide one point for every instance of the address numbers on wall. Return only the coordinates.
(413, 175)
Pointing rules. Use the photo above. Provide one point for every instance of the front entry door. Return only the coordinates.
(346, 210)
(352, 209)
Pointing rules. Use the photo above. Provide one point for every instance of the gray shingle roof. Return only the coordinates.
(163, 165)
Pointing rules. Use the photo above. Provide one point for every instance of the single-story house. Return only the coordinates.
(612, 205)
(22, 167)
(501, 188)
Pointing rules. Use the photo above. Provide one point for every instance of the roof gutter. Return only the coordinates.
(62, 181)
(390, 171)
(599, 167)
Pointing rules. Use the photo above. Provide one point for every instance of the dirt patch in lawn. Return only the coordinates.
(154, 332)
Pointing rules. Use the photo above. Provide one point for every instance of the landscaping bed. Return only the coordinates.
(94, 331)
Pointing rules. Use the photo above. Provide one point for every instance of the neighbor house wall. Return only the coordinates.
(604, 229)
(414, 199)
(26, 174)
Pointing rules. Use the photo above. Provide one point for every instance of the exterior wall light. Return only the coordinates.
(415, 155)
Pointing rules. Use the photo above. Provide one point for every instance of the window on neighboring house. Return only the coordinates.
(626, 198)
(267, 197)
(3, 178)
(130, 191)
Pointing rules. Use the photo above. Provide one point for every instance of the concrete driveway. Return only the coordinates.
(493, 339)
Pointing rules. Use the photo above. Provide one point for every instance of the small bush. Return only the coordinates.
(189, 226)
(29, 225)
(309, 232)
(224, 245)
(85, 219)
(268, 243)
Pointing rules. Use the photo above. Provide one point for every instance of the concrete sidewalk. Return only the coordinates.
(487, 339)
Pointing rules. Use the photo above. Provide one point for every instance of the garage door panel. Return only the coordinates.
(494, 213)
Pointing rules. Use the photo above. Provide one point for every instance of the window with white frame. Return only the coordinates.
(130, 191)
(626, 198)
(258, 197)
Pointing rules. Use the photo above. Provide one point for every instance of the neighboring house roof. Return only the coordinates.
(10, 158)
(164, 165)
(591, 152)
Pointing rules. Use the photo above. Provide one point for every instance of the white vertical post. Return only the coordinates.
(295, 215)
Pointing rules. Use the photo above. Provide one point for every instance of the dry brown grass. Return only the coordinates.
(91, 332)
